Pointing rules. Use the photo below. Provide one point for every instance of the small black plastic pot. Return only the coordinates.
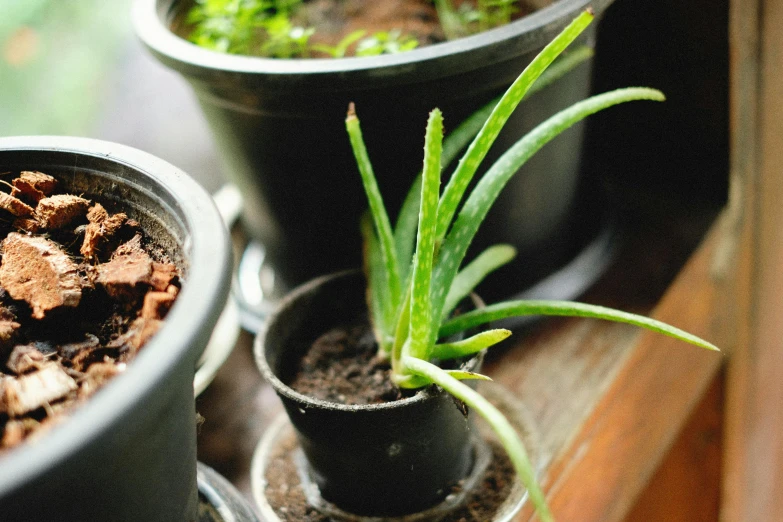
(384, 459)
(129, 453)
(279, 127)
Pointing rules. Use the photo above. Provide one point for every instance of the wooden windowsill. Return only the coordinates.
(611, 400)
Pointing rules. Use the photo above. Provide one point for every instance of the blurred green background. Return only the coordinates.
(74, 67)
(57, 61)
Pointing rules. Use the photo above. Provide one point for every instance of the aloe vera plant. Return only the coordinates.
(415, 270)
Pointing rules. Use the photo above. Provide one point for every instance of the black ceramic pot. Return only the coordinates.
(279, 127)
(381, 459)
(129, 454)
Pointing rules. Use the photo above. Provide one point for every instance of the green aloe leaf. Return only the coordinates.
(564, 64)
(450, 21)
(377, 208)
(471, 345)
(459, 138)
(405, 228)
(470, 162)
(479, 202)
(462, 375)
(422, 327)
(469, 277)
(568, 309)
(500, 425)
(339, 50)
(408, 218)
(377, 290)
(403, 323)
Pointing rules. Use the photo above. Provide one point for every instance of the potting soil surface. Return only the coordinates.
(342, 366)
(81, 291)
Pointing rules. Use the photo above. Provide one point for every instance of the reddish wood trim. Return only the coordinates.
(637, 420)
(686, 488)
(754, 417)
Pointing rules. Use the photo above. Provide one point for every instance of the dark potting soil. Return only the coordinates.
(284, 492)
(342, 366)
(81, 291)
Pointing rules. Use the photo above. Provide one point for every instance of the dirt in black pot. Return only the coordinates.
(494, 488)
(285, 495)
(81, 291)
(343, 366)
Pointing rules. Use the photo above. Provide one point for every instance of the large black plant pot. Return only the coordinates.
(279, 128)
(384, 459)
(129, 453)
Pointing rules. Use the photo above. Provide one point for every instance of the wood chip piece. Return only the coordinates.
(97, 375)
(156, 305)
(80, 354)
(139, 332)
(60, 210)
(31, 226)
(15, 206)
(145, 329)
(13, 434)
(36, 270)
(125, 277)
(33, 185)
(20, 395)
(8, 330)
(101, 228)
(162, 276)
(25, 358)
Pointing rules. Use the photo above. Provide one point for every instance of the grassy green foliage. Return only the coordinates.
(268, 28)
(470, 19)
(47, 65)
(386, 42)
(414, 290)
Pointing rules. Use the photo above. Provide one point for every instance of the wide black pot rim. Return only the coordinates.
(527, 34)
(207, 251)
(284, 390)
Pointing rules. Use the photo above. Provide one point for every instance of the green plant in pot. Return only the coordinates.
(402, 456)
(290, 28)
(262, 108)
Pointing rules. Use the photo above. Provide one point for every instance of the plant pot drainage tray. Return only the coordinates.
(218, 499)
(284, 492)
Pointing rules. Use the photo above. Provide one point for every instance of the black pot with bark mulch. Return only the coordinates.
(129, 452)
(278, 124)
(374, 452)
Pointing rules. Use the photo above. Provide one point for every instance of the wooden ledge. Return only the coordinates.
(631, 411)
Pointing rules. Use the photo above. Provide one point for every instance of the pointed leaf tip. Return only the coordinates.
(653, 94)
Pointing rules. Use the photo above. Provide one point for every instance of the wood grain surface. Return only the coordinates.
(754, 438)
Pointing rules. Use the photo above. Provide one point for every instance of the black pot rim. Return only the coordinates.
(150, 19)
(281, 388)
(207, 251)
